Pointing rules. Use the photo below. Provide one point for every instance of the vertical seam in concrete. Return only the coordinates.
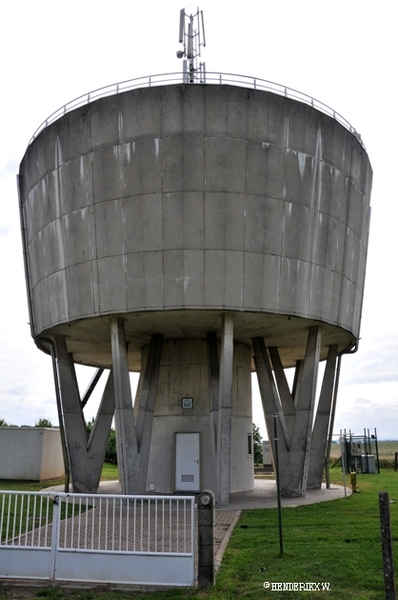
(346, 229)
(243, 290)
(60, 221)
(162, 193)
(96, 293)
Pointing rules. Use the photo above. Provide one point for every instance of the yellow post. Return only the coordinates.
(353, 481)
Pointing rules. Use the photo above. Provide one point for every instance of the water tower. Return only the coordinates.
(195, 231)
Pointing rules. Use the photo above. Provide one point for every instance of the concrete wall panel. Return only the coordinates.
(135, 283)
(109, 228)
(194, 220)
(234, 279)
(153, 278)
(294, 287)
(173, 222)
(229, 112)
(141, 114)
(193, 163)
(79, 283)
(112, 286)
(297, 232)
(214, 278)
(225, 221)
(174, 282)
(225, 170)
(194, 286)
(58, 296)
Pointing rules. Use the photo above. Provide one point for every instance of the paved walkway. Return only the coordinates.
(262, 496)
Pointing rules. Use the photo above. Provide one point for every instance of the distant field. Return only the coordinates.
(386, 450)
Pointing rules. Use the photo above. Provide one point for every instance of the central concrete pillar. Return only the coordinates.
(185, 405)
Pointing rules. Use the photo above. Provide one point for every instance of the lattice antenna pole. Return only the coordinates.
(192, 37)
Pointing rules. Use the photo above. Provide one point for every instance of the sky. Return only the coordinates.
(343, 53)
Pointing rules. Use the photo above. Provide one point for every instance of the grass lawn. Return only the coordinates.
(109, 473)
(335, 542)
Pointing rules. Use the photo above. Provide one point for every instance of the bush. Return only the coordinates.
(110, 454)
(257, 445)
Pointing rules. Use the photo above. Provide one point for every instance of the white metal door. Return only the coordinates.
(187, 462)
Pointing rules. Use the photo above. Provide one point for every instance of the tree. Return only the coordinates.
(257, 445)
(3, 423)
(43, 422)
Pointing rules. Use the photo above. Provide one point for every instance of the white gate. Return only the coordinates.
(146, 540)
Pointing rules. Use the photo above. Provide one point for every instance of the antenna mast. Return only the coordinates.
(192, 36)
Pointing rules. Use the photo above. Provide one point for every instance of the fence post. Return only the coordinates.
(206, 539)
(386, 546)
(56, 500)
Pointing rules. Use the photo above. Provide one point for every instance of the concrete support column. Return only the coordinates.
(319, 439)
(126, 440)
(86, 457)
(146, 410)
(224, 410)
(75, 427)
(286, 398)
(97, 443)
(295, 417)
(302, 429)
(269, 393)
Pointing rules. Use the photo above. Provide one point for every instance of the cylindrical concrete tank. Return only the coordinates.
(170, 206)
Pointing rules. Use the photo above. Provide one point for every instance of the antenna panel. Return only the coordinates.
(203, 28)
(182, 25)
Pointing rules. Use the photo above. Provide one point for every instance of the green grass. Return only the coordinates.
(336, 542)
(109, 473)
(23, 513)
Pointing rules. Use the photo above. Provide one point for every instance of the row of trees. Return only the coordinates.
(42, 422)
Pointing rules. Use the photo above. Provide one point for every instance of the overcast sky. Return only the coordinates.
(343, 53)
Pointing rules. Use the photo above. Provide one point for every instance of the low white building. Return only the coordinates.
(30, 453)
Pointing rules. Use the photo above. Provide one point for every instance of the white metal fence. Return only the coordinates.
(211, 78)
(146, 540)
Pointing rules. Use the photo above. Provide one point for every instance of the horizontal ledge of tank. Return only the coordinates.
(88, 340)
(216, 79)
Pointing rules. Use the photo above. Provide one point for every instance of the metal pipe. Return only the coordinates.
(278, 487)
(331, 421)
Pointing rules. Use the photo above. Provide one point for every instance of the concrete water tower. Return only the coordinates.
(195, 231)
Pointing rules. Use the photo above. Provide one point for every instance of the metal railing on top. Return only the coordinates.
(211, 78)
